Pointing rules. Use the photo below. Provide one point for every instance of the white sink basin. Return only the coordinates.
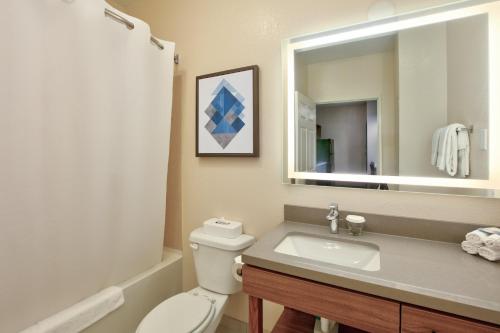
(346, 253)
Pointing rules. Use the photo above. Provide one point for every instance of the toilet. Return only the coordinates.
(215, 247)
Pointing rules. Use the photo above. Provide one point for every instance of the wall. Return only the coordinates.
(222, 34)
(451, 88)
(360, 78)
(467, 61)
(346, 125)
(422, 96)
(301, 77)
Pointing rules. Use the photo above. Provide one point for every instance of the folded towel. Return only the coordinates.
(471, 247)
(477, 236)
(493, 242)
(81, 315)
(490, 254)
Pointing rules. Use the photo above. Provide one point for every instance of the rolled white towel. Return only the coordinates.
(471, 247)
(490, 254)
(477, 236)
(493, 242)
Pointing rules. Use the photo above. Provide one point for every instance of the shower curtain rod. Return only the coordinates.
(131, 25)
(119, 18)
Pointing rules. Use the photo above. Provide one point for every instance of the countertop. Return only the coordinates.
(432, 274)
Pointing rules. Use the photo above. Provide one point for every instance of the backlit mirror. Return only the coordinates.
(406, 103)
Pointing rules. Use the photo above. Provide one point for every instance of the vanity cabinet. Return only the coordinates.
(362, 311)
(419, 320)
(356, 310)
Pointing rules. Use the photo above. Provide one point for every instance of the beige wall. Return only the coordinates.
(223, 34)
(467, 59)
(364, 77)
(422, 96)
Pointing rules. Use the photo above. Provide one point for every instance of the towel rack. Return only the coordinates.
(469, 129)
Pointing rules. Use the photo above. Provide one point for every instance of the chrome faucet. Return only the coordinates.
(333, 218)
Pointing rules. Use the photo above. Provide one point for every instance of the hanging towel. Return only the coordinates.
(441, 153)
(490, 254)
(436, 137)
(463, 145)
(447, 159)
(81, 315)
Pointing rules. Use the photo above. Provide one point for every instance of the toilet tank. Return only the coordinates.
(214, 258)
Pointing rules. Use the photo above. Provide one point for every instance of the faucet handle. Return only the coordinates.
(334, 205)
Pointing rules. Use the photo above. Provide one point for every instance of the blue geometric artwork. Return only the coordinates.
(225, 113)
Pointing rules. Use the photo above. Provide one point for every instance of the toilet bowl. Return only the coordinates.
(200, 309)
(196, 311)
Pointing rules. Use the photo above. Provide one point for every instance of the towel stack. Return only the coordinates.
(485, 242)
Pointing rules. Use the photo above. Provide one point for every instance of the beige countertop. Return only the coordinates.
(432, 274)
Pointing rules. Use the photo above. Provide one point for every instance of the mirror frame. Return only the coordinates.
(380, 27)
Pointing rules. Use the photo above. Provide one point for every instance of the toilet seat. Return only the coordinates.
(182, 313)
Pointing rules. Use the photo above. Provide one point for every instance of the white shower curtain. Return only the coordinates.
(85, 109)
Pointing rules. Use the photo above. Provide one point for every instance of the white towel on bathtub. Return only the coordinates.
(81, 315)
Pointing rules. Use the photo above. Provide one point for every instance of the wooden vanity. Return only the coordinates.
(358, 312)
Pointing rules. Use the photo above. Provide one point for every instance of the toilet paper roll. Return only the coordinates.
(236, 269)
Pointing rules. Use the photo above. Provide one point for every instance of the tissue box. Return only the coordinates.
(221, 227)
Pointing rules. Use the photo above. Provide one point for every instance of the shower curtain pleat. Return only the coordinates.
(85, 108)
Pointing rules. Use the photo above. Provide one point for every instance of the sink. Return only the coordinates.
(360, 255)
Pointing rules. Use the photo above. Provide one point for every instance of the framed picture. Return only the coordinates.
(227, 113)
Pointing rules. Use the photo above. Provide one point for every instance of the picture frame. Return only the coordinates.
(227, 113)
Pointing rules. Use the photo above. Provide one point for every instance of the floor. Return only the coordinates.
(231, 325)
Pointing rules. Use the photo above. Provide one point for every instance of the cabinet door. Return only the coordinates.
(365, 312)
(417, 320)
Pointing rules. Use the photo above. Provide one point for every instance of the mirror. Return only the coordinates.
(396, 104)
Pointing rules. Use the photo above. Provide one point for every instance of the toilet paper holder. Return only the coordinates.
(237, 269)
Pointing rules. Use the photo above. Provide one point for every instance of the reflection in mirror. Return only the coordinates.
(410, 103)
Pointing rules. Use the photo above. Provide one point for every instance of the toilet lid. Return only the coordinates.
(182, 313)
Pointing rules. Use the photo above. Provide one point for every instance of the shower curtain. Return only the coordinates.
(85, 108)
